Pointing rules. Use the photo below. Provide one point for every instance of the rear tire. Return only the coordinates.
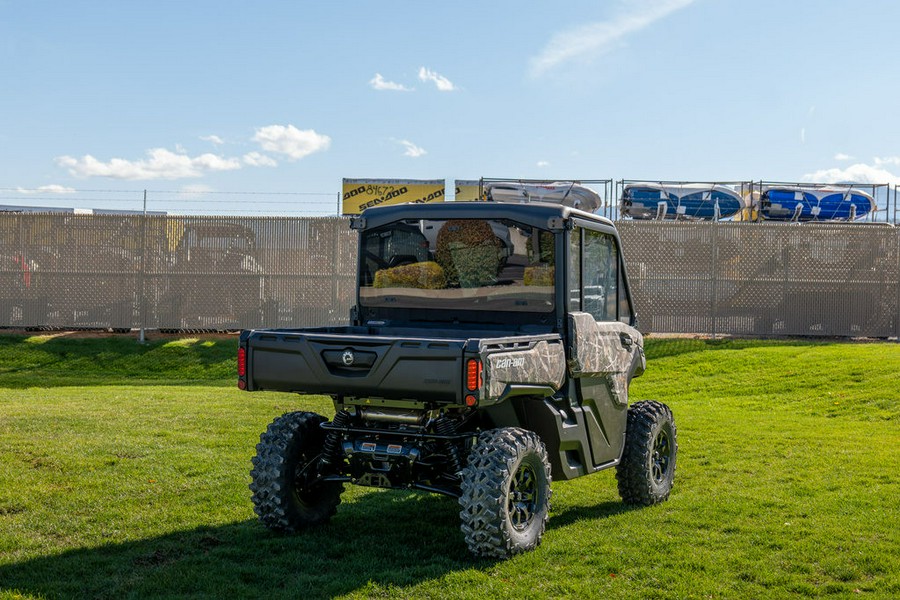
(505, 493)
(285, 464)
(646, 473)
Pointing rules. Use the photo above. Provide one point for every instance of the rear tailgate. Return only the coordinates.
(354, 365)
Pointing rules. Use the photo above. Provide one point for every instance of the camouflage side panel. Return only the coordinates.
(598, 351)
(537, 363)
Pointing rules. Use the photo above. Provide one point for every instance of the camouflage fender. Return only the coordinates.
(538, 363)
(598, 351)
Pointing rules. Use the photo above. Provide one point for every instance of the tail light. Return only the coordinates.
(474, 374)
(242, 362)
(242, 366)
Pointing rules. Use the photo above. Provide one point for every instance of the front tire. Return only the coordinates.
(285, 496)
(505, 493)
(646, 472)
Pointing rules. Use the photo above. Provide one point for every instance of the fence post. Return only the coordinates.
(714, 274)
(143, 297)
(897, 282)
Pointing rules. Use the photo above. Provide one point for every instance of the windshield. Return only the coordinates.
(462, 264)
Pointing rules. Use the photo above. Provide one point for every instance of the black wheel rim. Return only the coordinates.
(522, 501)
(662, 455)
(304, 478)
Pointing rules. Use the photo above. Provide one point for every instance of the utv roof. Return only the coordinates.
(537, 214)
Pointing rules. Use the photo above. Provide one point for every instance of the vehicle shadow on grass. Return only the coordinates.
(604, 510)
(389, 539)
(379, 540)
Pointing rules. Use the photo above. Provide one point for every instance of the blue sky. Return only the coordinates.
(198, 98)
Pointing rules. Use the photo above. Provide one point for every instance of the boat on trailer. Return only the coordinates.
(566, 193)
(680, 201)
(803, 204)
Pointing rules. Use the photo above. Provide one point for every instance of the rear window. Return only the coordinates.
(458, 264)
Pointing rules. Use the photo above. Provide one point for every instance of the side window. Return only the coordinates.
(601, 275)
(575, 269)
(624, 306)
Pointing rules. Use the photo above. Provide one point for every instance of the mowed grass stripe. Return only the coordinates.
(113, 485)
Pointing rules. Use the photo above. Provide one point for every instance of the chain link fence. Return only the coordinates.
(765, 279)
(126, 272)
(174, 272)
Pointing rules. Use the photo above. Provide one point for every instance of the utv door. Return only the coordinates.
(606, 351)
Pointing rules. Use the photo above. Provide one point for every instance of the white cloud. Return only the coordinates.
(412, 150)
(443, 84)
(887, 160)
(842, 156)
(213, 139)
(380, 83)
(47, 189)
(595, 39)
(290, 141)
(543, 163)
(857, 173)
(256, 159)
(159, 164)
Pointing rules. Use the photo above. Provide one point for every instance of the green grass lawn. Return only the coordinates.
(124, 472)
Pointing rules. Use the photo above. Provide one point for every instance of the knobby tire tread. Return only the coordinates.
(491, 463)
(633, 473)
(287, 439)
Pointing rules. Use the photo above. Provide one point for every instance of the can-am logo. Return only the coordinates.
(505, 363)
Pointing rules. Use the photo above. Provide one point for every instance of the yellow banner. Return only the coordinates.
(360, 194)
(468, 190)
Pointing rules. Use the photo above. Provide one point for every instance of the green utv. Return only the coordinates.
(490, 350)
